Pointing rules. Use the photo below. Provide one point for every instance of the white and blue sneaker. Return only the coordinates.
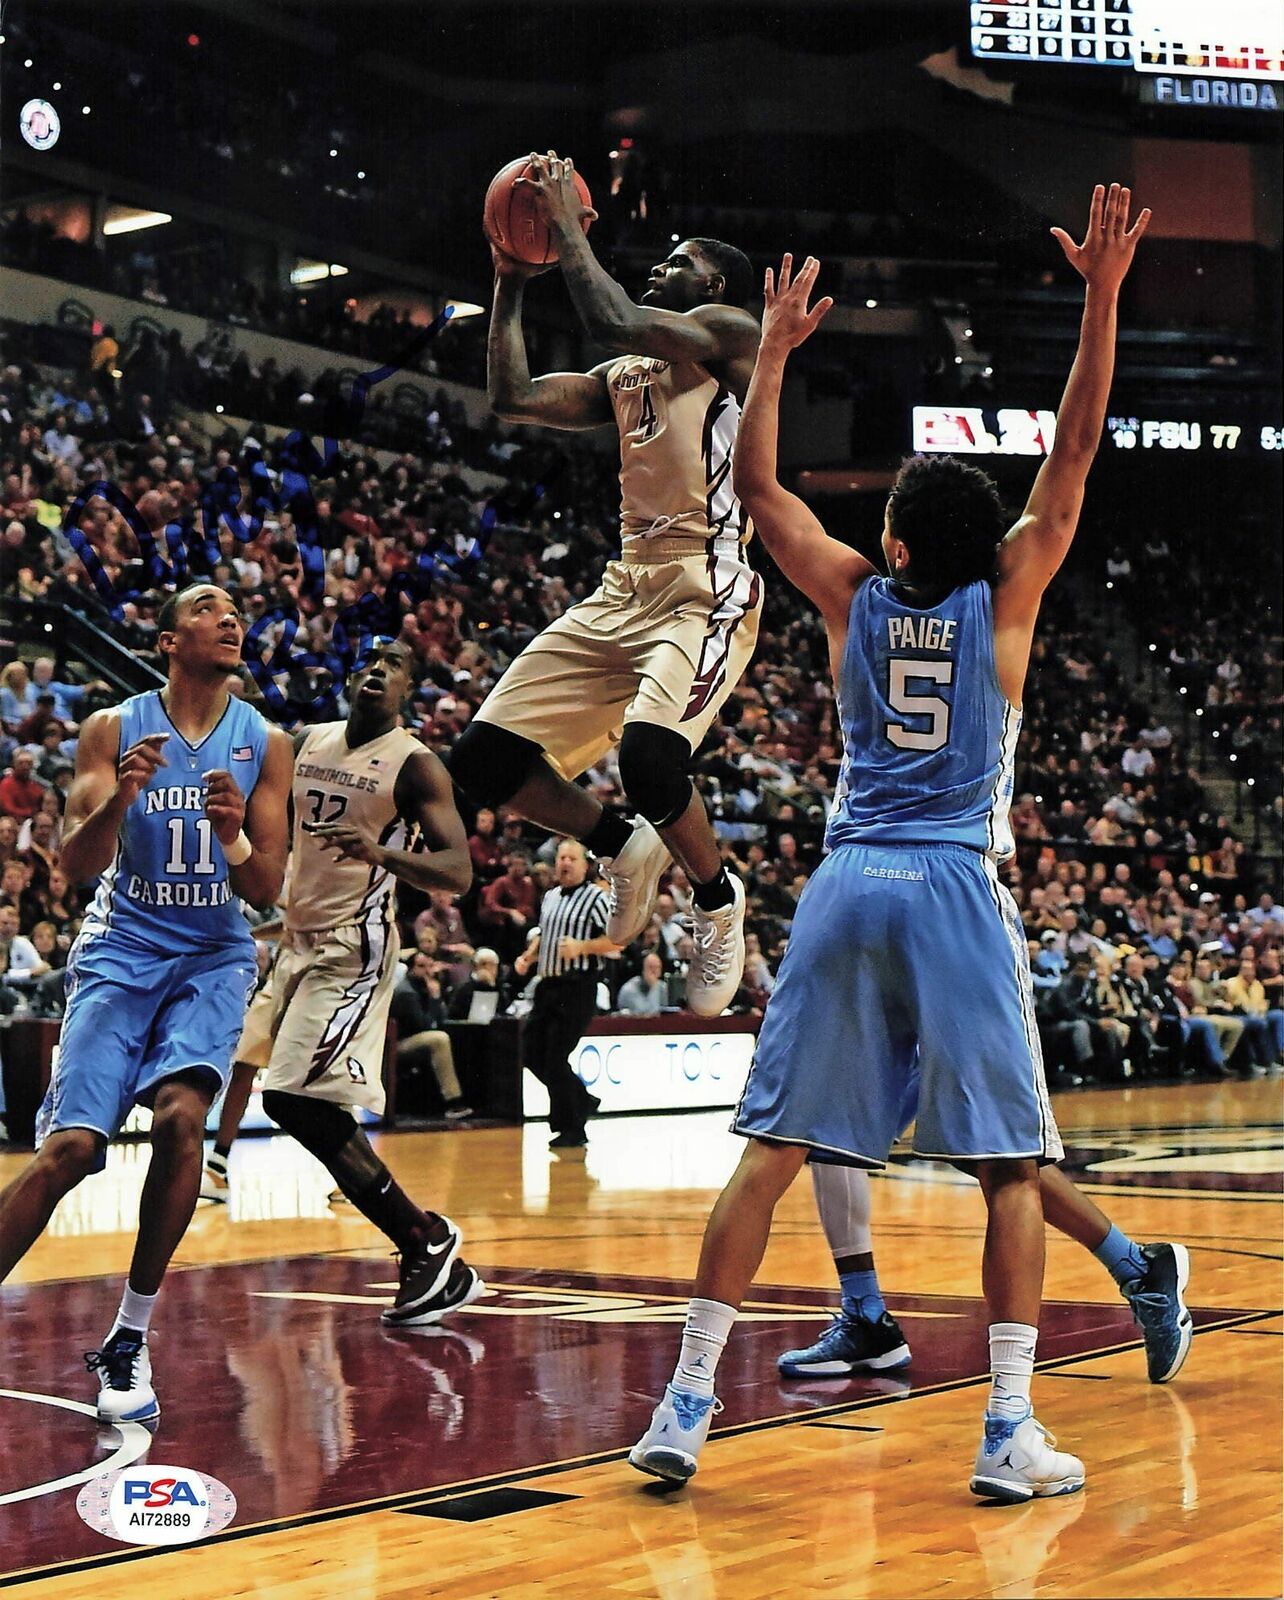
(848, 1346)
(1159, 1310)
(671, 1444)
(124, 1369)
(1017, 1462)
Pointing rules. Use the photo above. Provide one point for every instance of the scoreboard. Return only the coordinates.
(1011, 431)
(1228, 39)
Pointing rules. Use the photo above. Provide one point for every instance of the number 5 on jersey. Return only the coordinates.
(901, 674)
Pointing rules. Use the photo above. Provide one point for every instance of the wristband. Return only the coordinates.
(239, 851)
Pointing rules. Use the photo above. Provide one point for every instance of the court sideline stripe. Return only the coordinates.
(418, 1497)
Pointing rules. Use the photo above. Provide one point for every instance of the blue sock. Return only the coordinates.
(1121, 1258)
(861, 1295)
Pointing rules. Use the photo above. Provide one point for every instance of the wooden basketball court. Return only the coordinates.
(486, 1458)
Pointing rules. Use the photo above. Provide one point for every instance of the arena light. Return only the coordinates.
(315, 271)
(360, 174)
(130, 219)
(871, 305)
(464, 308)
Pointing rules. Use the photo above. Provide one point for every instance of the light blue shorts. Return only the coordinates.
(906, 978)
(135, 1018)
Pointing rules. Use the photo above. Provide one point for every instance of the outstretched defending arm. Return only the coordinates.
(827, 571)
(574, 400)
(1040, 539)
(708, 333)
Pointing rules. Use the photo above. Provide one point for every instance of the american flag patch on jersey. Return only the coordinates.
(242, 753)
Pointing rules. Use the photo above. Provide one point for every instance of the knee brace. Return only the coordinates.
(653, 770)
(490, 764)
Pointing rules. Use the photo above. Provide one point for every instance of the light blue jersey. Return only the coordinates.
(168, 888)
(928, 735)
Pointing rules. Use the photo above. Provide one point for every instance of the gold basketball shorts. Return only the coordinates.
(658, 642)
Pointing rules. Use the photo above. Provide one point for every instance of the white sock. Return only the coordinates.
(707, 1329)
(135, 1311)
(843, 1201)
(1011, 1367)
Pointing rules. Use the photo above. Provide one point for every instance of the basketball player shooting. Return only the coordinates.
(647, 660)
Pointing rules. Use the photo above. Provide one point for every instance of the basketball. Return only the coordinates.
(511, 221)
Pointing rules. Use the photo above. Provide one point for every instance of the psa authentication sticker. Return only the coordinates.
(150, 1504)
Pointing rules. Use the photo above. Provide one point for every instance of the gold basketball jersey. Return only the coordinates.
(333, 783)
(677, 430)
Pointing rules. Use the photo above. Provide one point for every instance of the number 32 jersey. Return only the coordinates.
(355, 785)
(168, 888)
(928, 736)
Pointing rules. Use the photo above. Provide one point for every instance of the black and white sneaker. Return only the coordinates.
(124, 1369)
(425, 1275)
(463, 1286)
(848, 1346)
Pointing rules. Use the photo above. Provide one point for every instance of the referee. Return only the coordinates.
(569, 945)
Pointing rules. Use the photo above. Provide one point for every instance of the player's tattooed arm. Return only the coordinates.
(573, 400)
(425, 799)
(264, 818)
(713, 332)
(105, 786)
(827, 571)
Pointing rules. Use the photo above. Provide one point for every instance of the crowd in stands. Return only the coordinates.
(197, 280)
(1144, 912)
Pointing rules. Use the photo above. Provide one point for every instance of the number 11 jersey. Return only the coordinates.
(168, 888)
(355, 785)
(929, 737)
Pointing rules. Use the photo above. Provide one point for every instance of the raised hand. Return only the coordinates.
(551, 180)
(787, 320)
(224, 805)
(138, 764)
(507, 266)
(1108, 246)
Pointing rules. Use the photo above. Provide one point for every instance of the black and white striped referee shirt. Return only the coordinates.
(578, 913)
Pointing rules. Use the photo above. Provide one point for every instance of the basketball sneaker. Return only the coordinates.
(1159, 1310)
(462, 1287)
(850, 1345)
(1017, 1461)
(718, 963)
(124, 1369)
(214, 1185)
(425, 1275)
(632, 879)
(679, 1426)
